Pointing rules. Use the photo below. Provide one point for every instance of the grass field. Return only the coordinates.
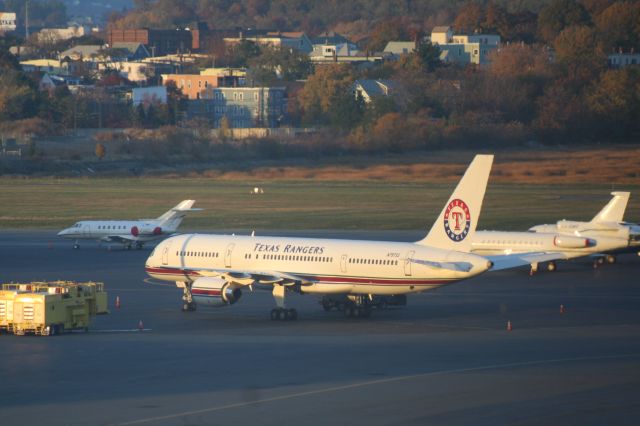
(292, 204)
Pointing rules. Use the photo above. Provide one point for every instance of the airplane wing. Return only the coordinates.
(119, 238)
(507, 261)
(452, 266)
(252, 277)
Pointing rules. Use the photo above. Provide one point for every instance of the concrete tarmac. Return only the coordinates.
(446, 358)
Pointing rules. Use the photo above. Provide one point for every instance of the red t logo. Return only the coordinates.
(457, 216)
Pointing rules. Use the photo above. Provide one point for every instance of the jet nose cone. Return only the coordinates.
(62, 232)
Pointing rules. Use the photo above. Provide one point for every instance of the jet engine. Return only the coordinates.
(214, 292)
(135, 231)
(567, 241)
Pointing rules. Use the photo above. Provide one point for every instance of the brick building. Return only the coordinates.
(157, 42)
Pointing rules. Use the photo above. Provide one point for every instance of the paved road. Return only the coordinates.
(444, 359)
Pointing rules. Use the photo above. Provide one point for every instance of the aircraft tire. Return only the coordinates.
(275, 314)
(611, 259)
(551, 266)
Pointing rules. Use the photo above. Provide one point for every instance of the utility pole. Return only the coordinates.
(26, 18)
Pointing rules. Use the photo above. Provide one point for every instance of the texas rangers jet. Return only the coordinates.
(608, 224)
(129, 232)
(213, 270)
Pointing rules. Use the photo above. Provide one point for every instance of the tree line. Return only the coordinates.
(549, 82)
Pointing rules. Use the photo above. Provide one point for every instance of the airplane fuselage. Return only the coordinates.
(487, 243)
(114, 230)
(324, 266)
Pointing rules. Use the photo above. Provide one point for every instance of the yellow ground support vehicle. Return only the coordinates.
(46, 308)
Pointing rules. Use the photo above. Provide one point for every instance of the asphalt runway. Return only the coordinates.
(444, 359)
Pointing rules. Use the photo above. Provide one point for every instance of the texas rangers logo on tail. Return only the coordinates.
(457, 220)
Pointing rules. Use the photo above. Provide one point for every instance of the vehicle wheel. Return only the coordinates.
(285, 315)
(293, 314)
(600, 260)
(186, 307)
(611, 259)
(551, 266)
(275, 314)
(595, 264)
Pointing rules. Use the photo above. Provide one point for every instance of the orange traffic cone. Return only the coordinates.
(561, 309)
(140, 326)
(117, 302)
(509, 326)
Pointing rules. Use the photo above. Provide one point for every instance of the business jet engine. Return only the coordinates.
(214, 292)
(146, 230)
(566, 241)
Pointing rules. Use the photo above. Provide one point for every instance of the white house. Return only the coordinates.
(7, 21)
(57, 34)
(463, 49)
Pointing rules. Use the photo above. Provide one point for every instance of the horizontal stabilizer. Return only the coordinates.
(508, 261)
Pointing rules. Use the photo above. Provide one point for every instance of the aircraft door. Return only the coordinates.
(227, 255)
(407, 263)
(86, 230)
(165, 253)
(343, 263)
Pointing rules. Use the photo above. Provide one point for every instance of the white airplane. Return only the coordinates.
(214, 269)
(607, 224)
(511, 249)
(129, 232)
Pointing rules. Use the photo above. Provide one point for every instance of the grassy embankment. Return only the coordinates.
(393, 193)
(359, 205)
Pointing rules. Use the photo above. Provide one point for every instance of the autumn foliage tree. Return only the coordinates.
(327, 97)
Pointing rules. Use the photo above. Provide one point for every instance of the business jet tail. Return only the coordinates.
(456, 224)
(614, 210)
(172, 218)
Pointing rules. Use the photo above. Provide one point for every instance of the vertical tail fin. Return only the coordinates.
(172, 218)
(456, 224)
(614, 210)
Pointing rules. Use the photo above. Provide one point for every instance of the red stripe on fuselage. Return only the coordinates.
(322, 279)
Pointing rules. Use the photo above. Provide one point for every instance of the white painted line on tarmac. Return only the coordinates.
(377, 382)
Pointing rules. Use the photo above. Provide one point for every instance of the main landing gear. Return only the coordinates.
(188, 304)
(551, 267)
(278, 314)
(281, 313)
(76, 245)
